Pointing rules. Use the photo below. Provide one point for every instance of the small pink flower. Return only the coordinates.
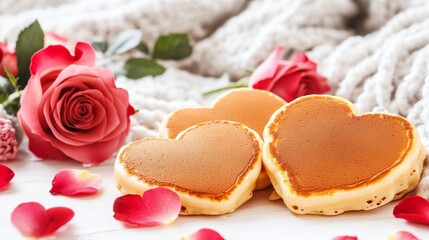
(72, 182)
(8, 143)
(8, 59)
(402, 235)
(6, 175)
(413, 209)
(345, 238)
(157, 206)
(288, 79)
(34, 221)
(205, 234)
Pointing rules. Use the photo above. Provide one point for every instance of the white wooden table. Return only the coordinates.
(259, 218)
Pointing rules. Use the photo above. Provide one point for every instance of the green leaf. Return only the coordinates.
(12, 80)
(5, 90)
(136, 68)
(174, 46)
(12, 105)
(142, 47)
(124, 42)
(3, 97)
(100, 46)
(30, 40)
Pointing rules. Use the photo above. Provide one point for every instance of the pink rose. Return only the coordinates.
(288, 79)
(71, 109)
(8, 59)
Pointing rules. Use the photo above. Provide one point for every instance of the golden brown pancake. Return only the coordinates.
(324, 158)
(213, 166)
(250, 107)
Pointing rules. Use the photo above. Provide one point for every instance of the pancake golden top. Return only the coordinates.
(207, 160)
(250, 107)
(323, 145)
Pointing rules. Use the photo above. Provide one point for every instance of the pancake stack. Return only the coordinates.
(250, 107)
(320, 154)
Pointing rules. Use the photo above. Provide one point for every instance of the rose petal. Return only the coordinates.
(55, 39)
(266, 70)
(33, 220)
(37, 144)
(157, 206)
(6, 175)
(57, 57)
(303, 62)
(287, 86)
(72, 182)
(413, 209)
(205, 234)
(345, 238)
(402, 235)
(288, 79)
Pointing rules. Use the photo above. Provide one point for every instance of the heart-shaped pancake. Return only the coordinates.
(324, 158)
(212, 166)
(250, 107)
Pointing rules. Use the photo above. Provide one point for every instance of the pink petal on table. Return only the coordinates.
(33, 220)
(402, 235)
(345, 238)
(157, 206)
(413, 209)
(205, 234)
(72, 182)
(6, 175)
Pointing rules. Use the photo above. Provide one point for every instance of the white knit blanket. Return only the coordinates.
(374, 53)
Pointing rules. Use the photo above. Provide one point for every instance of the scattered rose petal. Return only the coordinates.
(205, 234)
(6, 175)
(157, 206)
(345, 238)
(33, 220)
(413, 209)
(402, 235)
(72, 182)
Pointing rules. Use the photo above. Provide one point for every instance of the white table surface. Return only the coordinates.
(259, 218)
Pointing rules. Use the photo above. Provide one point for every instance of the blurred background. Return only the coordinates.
(229, 36)
(373, 53)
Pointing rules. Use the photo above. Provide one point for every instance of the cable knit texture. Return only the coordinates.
(373, 53)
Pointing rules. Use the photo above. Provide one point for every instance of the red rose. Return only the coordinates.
(288, 79)
(71, 109)
(7, 59)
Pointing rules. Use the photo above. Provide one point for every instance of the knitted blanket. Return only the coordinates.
(373, 53)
